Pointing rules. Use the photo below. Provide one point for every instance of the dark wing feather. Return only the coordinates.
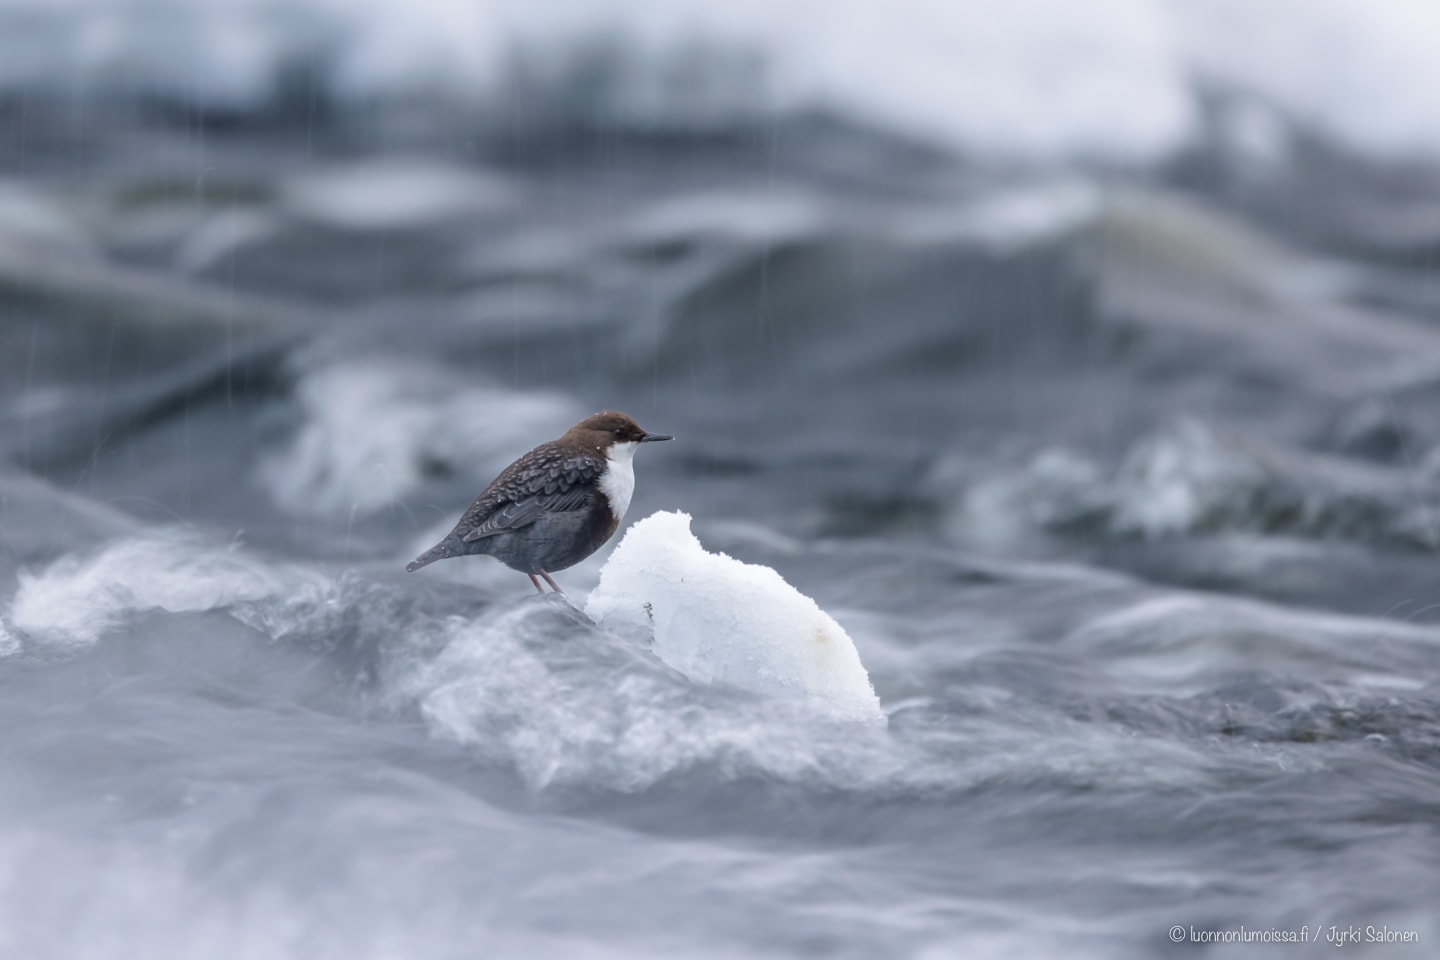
(550, 477)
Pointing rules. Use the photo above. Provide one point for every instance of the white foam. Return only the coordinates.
(1007, 221)
(722, 621)
(1193, 641)
(393, 193)
(757, 215)
(1360, 71)
(222, 235)
(1037, 78)
(1187, 477)
(76, 599)
(372, 426)
(33, 225)
(525, 685)
(1175, 480)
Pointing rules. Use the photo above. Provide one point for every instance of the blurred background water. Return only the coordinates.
(1083, 360)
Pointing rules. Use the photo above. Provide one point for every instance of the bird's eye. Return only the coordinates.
(619, 431)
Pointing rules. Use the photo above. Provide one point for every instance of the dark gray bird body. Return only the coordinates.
(554, 506)
(544, 512)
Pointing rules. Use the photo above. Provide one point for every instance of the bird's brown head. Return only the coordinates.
(608, 427)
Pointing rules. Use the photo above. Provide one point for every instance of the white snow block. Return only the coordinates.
(722, 621)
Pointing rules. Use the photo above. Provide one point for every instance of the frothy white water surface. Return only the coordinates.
(75, 600)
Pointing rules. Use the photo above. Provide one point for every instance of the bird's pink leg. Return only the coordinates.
(537, 583)
(551, 580)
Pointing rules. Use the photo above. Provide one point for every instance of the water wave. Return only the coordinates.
(1119, 79)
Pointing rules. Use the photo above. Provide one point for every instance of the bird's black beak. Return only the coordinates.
(655, 436)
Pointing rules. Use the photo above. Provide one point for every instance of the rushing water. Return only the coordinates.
(1126, 486)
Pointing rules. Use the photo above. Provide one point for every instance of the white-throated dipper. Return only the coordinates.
(554, 506)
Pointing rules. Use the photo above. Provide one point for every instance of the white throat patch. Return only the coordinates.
(618, 480)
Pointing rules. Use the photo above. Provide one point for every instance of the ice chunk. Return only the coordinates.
(722, 621)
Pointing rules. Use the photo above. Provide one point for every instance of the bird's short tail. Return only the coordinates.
(443, 550)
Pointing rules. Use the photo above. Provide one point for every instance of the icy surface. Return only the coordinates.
(719, 620)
